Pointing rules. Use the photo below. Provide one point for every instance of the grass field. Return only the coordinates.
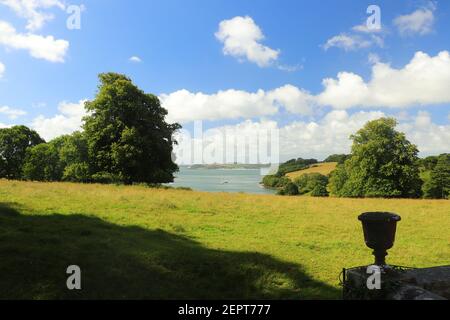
(322, 168)
(136, 242)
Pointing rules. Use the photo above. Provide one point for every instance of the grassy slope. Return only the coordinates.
(134, 242)
(322, 168)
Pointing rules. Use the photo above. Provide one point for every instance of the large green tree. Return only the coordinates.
(14, 143)
(127, 135)
(383, 164)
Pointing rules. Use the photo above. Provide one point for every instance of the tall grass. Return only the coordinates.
(137, 242)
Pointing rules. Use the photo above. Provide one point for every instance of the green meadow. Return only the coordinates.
(135, 242)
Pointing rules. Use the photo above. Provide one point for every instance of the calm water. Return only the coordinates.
(221, 180)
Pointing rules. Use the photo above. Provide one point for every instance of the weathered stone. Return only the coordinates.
(408, 284)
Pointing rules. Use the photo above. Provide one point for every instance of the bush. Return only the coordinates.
(314, 184)
(319, 190)
(275, 182)
(104, 177)
(290, 189)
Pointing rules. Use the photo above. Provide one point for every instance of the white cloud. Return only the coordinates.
(184, 106)
(430, 138)
(423, 81)
(2, 69)
(2, 125)
(293, 99)
(419, 22)
(351, 42)
(331, 134)
(32, 10)
(317, 139)
(40, 47)
(373, 58)
(135, 59)
(324, 137)
(290, 68)
(11, 113)
(241, 38)
(365, 29)
(67, 121)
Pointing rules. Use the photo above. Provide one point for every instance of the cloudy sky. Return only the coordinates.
(314, 70)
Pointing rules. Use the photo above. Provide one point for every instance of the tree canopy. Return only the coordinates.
(14, 143)
(127, 135)
(438, 184)
(383, 164)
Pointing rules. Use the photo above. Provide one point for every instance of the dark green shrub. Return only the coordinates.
(272, 181)
(319, 190)
(316, 182)
(290, 189)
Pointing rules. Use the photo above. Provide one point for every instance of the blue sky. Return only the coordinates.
(180, 45)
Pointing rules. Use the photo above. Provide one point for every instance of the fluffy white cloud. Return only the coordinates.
(307, 139)
(2, 69)
(293, 99)
(135, 59)
(331, 134)
(32, 10)
(40, 47)
(12, 113)
(322, 138)
(419, 22)
(423, 81)
(241, 37)
(431, 138)
(67, 121)
(184, 106)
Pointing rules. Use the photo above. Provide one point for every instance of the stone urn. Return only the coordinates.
(379, 233)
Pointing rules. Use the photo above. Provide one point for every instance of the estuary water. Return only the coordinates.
(221, 180)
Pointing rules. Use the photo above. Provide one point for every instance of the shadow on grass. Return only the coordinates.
(134, 263)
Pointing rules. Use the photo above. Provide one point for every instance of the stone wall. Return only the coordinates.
(399, 284)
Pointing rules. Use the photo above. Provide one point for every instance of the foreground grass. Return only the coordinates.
(323, 168)
(135, 242)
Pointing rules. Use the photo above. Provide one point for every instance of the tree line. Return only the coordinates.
(125, 139)
(382, 163)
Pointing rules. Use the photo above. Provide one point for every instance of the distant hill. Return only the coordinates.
(322, 168)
